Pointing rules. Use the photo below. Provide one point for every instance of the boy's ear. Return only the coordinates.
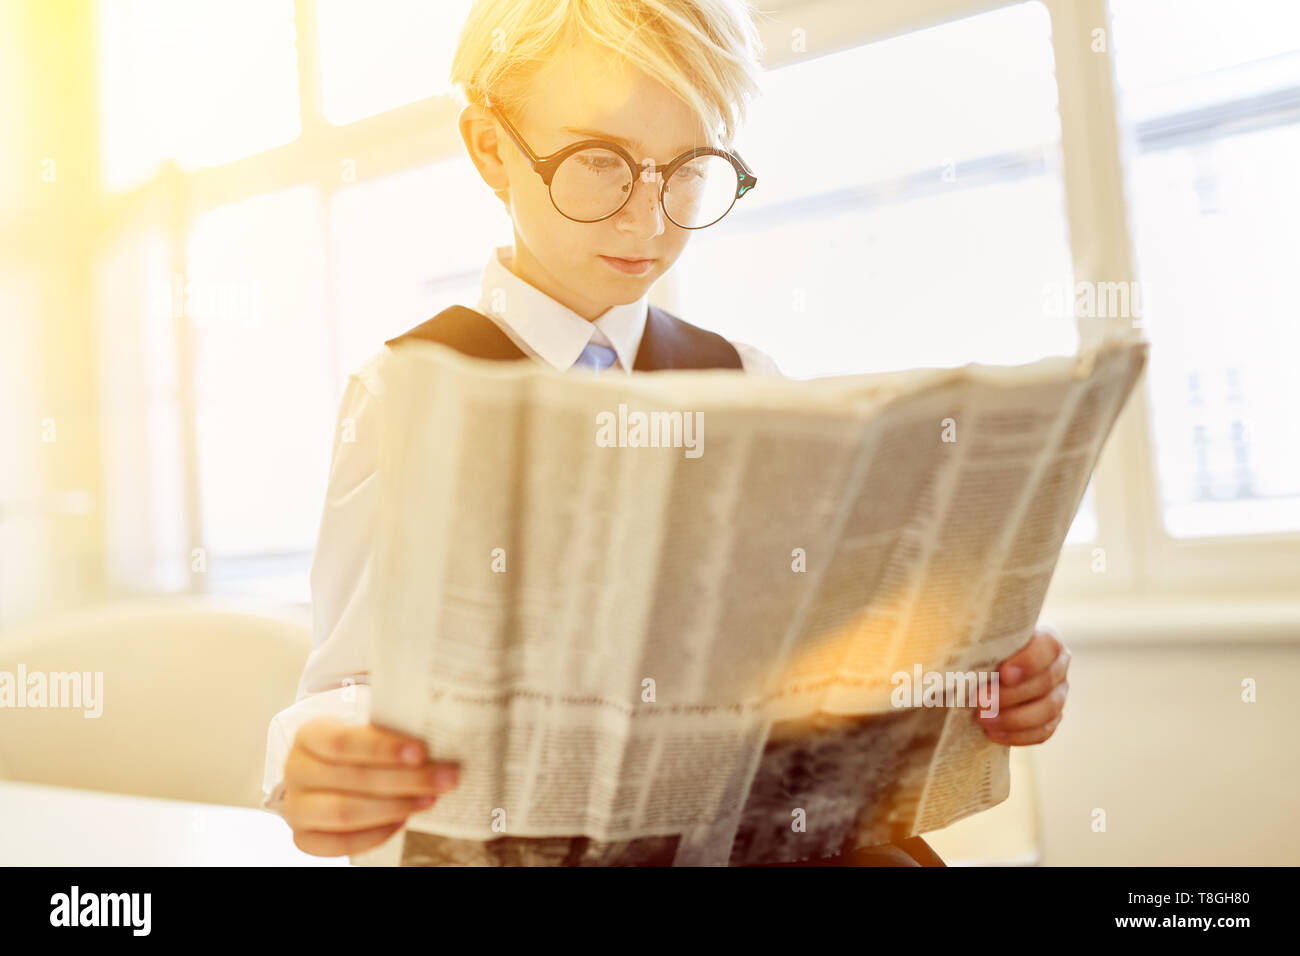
(478, 131)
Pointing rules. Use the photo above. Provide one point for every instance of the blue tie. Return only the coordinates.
(598, 357)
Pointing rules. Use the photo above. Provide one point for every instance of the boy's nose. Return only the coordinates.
(642, 215)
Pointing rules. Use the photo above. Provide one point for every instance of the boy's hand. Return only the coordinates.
(1031, 691)
(349, 787)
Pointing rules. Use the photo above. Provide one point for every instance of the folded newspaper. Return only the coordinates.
(698, 618)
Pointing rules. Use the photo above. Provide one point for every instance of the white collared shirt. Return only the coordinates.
(546, 330)
(336, 678)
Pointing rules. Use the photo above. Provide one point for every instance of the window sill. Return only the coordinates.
(1169, 619)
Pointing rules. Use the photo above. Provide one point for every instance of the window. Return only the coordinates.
(923, 171)
(263, 382)
(22, 508)
(396, 262)
(376, 56)
(202, 82)
(913, 217)
(230, 323)
(138, 301)
(1212, 108)
(910, 207)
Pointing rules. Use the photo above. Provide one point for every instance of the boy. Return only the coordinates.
(643, 83)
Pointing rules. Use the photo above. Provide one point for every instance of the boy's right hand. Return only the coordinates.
(349, 787)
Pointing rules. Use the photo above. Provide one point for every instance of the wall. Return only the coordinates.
(1156, 735)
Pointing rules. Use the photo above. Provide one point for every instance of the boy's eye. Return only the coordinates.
(600, 161)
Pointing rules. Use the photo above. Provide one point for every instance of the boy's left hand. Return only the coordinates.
(1031, 691)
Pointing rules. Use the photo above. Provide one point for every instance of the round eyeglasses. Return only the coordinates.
(592, 180)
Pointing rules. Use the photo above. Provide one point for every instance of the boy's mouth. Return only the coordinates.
(631, 267)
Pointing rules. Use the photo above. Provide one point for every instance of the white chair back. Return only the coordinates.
(188, 689)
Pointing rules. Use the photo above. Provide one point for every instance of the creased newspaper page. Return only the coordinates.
(695, 618)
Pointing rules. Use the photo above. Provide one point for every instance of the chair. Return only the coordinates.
(189, 687)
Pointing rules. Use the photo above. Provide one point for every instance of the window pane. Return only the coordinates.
(1183, 54)
(1216, 222)
(255, 296)
(203, 82)
(384, 53)
(395, 260)
(1083, 529)
(914, 218)
(24, 536)
(138, 299)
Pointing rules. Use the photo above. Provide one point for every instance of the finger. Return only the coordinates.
(318, 843)
(1033, 714)
(1035, 686)
(1035, 657)
(305, 771)
(345, 812)
(1022, 738)
(334, 741)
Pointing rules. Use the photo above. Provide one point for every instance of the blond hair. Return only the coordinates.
(704, 51)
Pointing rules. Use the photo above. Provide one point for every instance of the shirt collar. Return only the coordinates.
(544, 328)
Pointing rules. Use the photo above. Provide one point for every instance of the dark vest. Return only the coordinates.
(667, 342)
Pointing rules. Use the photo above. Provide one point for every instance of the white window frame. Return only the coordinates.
(1141, 559)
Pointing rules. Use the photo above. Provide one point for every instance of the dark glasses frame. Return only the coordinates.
(545, 167)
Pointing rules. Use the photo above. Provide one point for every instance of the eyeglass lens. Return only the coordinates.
(594, 183)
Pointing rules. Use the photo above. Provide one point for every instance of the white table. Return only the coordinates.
(57, 826)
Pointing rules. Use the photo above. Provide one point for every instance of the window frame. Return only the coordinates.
(1141, 558)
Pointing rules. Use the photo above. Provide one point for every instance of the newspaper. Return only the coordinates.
(666, 619)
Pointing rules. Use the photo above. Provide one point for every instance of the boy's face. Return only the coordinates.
(585, 90)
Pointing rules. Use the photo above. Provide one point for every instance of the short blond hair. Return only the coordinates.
(706, 52)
